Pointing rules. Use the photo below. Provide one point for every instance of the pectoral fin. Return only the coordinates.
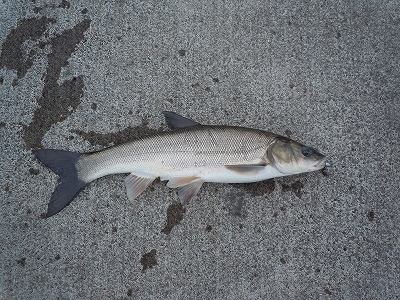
(188, 192)
(136, 185)
(246, 169)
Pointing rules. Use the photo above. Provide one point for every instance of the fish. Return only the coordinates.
(186, 156)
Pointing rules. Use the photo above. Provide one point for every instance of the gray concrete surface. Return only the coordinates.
(80, 76)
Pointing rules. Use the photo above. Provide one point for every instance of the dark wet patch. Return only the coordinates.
(257, 188)
(13, 55)
(43, 216)
(57, 257)
(208, 228)
(182, 52)
(22, 261)
(288, 132)
(216, 80)
(371, 215)
(114, 229)
(282, 260)
(93, 106)
(33, 171)
(236, 204)
(116, 138)
(84, 11)
(327, 291)
(129, 292)
(57, 102)
(148, 260)
(324, 171)
(294, 187)
(2, 124)
(64, 4)
(175, 214)
(317, 270)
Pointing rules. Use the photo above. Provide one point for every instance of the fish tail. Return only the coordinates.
(63, 164)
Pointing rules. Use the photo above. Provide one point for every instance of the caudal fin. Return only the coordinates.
(63, 164)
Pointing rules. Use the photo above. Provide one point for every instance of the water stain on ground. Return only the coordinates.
(175, 214)
(371, 215)
(13, 54)
(148, 260)
(57, 102)
(294, 187)
(22, 261)
(324, 171)
(117, 138)
(257, 188)
(236, 203)
(237, 200)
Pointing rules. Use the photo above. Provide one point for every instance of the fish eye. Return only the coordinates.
(306, 151)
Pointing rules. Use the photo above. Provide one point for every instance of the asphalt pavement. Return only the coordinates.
(85, 75)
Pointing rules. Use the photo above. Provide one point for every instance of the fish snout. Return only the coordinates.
(321, 164)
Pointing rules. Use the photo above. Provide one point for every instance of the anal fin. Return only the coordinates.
(135, 185)
(188, 192)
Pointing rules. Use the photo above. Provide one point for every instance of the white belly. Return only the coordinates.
(222, 174)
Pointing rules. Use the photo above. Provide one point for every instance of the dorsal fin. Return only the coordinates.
(175, 121)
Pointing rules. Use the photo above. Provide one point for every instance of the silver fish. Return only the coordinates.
(187, 156)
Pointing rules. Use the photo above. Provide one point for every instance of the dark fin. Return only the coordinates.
(135, 185)
(188, 192)
(246, 169)
(63, 164)
(175, 121)
(181, 181)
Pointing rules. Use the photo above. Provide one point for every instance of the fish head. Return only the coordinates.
(291, 157)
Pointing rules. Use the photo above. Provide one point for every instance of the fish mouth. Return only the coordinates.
(321, 164)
